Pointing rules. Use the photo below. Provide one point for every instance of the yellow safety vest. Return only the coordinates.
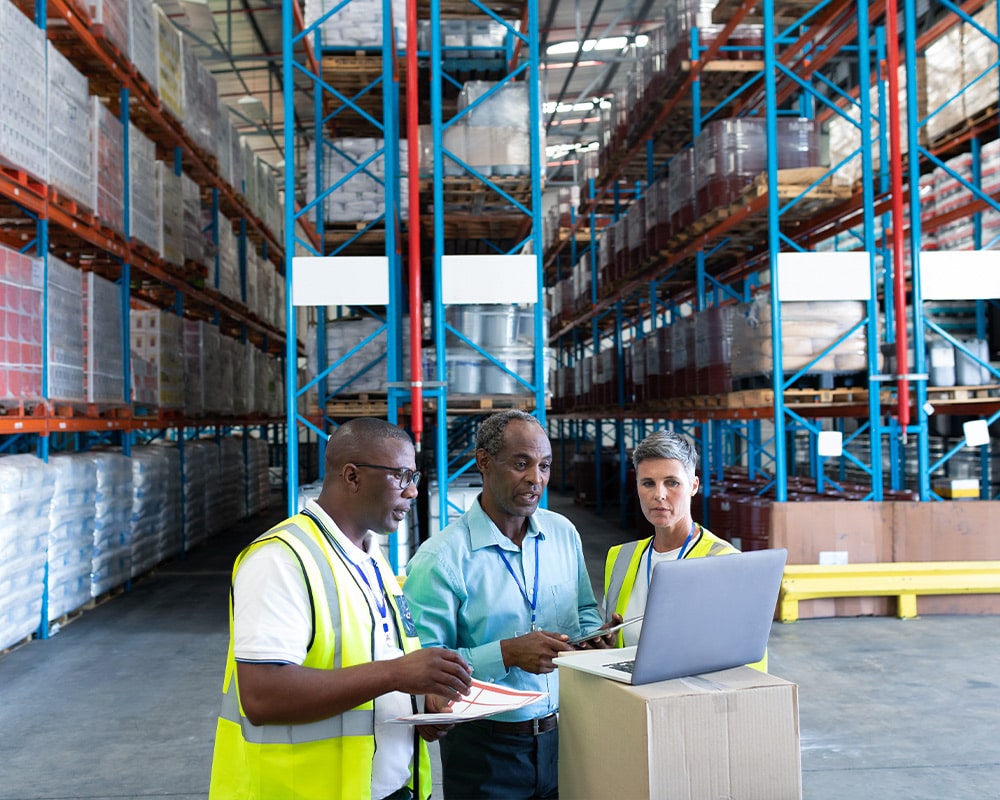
(622, 566)
(322, 760)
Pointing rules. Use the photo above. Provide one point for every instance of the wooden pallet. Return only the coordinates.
(794, 182)
(963, 394)
(764, 398)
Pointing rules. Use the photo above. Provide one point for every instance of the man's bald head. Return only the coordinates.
(356, 439)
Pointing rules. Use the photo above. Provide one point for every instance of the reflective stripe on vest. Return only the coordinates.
(350, 723)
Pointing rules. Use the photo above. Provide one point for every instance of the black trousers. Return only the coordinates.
(479, 762)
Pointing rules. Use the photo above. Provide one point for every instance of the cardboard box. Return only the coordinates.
(733, 733)
(949, 531)
(864, 531)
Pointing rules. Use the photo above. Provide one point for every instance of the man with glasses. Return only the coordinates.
(505, 585)
(323, 651)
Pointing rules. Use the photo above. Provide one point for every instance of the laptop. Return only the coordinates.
(702, 615)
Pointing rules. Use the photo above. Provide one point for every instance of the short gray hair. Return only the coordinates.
(489, 437)
(668, 444)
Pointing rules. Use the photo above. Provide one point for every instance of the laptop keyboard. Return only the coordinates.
(623, 666)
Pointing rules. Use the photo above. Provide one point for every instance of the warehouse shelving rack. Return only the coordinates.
(707, 280)
(39, 220)
(430, 230)
(850, 27)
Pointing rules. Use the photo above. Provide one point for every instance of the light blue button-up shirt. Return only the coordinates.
(463, 597)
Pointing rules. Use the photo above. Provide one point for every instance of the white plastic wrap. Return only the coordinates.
(65, 332)
(26, 487)
(20, 326)
(812, 327)
(102, 340)
(107, 141)
(143, 40)
(170, 230)
(150, 467)
(68, 113)
(233, 477)
(169, 65)
(158, 337)
(144, 205)
(358, 23)
(22, 92)
(112, 554)
(72, 517)
(195, 477)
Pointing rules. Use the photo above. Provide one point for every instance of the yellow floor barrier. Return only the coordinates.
(904, 580)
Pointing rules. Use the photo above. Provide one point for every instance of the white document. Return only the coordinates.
(483, 700)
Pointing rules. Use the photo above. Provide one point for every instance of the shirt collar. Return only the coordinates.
(483, 531)
(355, 553)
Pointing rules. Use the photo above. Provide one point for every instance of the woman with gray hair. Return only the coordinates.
(665, 464)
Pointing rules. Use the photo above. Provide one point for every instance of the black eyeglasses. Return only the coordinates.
(405, 474)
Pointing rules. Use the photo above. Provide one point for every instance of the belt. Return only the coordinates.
(529, 727)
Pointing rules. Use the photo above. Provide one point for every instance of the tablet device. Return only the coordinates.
(586, 637)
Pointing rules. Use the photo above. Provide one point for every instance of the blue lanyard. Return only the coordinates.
(533, 602)
(680, 553)
(379, 597)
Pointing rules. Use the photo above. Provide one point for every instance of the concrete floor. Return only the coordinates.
(121, 703)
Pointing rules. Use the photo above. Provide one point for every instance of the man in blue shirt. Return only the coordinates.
(505, 585)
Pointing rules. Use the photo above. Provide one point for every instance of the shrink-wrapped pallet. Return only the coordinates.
(149, 513)
(169, 65)
(111, 18)
(65, 332)
(251, 298)
(102, 340)
(143, 40)
(979, 58)
(107, 141)
(144, 197)
(196, 244)
(26, 488)
(144, 381)
(158, 337)
(20, 326)
(233, 476)
(258, 494)
(195, 478)
(807, 330)
(360, 193)
(68, 113)
(218, 373)
(359, 23)
(201, 103)
(171, 201)
(70, 545)
(215, 502)
(171, 532)
(943, 96)
(22, 92)
(229, 263)
(194, 367)
(243, 377)
(112, 554)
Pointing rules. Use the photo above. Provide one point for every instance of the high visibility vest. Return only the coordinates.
(622, 566)
(330, 758)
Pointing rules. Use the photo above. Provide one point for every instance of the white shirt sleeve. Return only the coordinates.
(272, 617)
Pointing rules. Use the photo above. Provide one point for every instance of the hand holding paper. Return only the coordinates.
(484, 700)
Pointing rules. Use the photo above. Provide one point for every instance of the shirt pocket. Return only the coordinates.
(562, 598)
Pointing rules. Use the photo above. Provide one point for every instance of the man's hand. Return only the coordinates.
(534, 652)
(433, 671)
(435, 704)
(603, 642)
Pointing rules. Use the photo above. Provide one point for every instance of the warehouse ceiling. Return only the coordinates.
(240, 42)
